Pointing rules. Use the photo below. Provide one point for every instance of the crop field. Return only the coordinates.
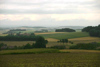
(16, 43)
(85, 40)
(65, 35)
(75, 58)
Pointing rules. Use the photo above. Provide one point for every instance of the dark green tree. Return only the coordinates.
(40, 42)
(27, 46)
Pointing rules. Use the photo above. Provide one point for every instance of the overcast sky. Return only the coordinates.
(49, 12)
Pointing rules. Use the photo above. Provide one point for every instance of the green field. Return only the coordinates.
(68, 35)
(76, 58)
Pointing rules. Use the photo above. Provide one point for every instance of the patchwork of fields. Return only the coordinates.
(53, 37)
(52, 58)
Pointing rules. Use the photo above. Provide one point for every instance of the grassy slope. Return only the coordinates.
(65, 35)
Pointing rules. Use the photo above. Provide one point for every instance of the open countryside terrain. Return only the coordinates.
(52, 58)
(53, 37)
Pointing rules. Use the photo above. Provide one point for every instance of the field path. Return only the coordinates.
(52, 40)
(49, 33)
(85, 39)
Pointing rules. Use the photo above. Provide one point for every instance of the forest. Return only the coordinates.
(92, 30)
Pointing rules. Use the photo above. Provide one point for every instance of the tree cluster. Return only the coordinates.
(93, 31)
(63, 41)
(40, 43)
(65, 30)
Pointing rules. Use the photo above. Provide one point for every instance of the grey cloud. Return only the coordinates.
(41, 9)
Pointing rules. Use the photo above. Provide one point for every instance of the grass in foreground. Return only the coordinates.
(80, 59)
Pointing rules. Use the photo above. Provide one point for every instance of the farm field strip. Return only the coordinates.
(79, 50)
(85, 40)
(16, 43)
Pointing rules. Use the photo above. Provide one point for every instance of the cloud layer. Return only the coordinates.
(49, 12)
(48, 6)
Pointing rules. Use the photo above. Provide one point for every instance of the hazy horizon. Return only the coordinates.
(14, 13)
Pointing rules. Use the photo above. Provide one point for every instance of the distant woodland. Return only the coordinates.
(65, 30)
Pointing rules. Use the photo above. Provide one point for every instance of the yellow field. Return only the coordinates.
(85, 40)
(16, 43)
(52, 40)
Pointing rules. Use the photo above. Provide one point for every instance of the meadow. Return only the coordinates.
(75, 58)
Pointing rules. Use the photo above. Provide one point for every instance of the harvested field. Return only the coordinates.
(85, 40)
(16, 43)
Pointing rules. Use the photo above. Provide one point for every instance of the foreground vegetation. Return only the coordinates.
(72, 59)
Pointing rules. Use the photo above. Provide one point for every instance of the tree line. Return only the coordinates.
(18, 38)
(93, 31)
(65, 30)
